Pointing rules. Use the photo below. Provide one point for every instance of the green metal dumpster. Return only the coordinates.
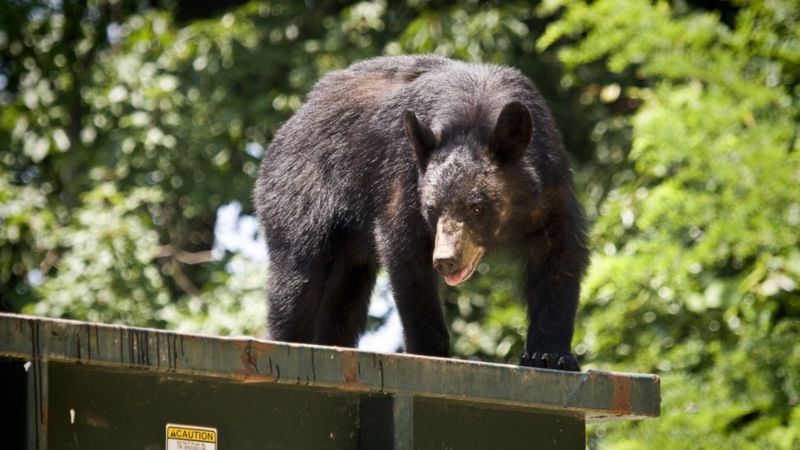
(77, 385)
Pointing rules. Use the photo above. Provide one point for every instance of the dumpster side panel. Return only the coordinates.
(99, 409)
(17, 413)
(461, 425)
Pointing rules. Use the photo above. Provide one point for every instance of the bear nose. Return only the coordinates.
(444, 266)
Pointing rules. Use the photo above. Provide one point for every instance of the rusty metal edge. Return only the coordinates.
(595, 395)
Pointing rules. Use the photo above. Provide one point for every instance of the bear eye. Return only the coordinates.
(477, 210)
(430, 211)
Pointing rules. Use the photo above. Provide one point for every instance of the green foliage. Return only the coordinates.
(697, 268)
(106, 273)
(25, 232)
(487, 319)
(123, 129)
(232, 305)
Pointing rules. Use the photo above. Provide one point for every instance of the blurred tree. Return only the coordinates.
(124, 125)
(115, 92)
(697, 263)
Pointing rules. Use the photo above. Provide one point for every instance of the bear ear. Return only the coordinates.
(512, 133)
(422, 138)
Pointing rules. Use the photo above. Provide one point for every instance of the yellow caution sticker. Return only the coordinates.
(191, 437)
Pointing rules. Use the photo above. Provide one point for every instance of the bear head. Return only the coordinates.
(466, 193)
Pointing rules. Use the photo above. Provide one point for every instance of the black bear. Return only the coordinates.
(419, 164)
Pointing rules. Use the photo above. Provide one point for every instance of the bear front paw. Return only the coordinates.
(550, 360)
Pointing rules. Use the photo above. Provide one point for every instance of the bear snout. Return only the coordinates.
(445, 266)
(447, 253)
(455, 254)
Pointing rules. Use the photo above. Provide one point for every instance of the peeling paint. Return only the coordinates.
(621, 402)
(349, 366)
(570, 398)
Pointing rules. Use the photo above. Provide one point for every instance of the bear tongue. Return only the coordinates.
(459, 277)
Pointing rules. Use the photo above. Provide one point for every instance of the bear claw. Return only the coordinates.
(550, 360)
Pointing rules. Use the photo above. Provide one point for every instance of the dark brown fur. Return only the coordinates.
(363, 172)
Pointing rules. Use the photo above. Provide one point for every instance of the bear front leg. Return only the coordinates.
(413, 285)
(420, 311)
(552, 304)
(552, 287)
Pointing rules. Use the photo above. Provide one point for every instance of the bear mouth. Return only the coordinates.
(463, 274)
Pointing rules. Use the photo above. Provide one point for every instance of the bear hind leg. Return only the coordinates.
(294, 294)
(343, 313)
